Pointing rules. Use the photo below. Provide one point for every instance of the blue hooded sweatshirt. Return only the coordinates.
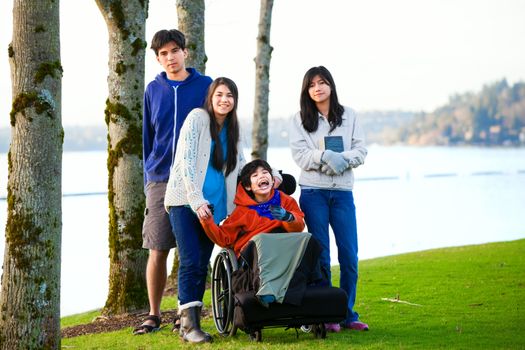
(165, 109)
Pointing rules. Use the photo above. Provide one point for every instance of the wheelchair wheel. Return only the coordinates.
(256, 336)
(319, 330)
(221, 292)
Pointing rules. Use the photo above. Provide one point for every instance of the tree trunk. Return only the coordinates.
(126, 21)
(262, 82)
(172, 283)
(191, 22)
(30, 298)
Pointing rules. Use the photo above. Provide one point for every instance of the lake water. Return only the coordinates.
(407, 199)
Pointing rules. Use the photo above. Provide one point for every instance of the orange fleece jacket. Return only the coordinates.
(244, 222)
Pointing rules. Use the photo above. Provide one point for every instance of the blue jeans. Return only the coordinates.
(335, 208)
(195, 250)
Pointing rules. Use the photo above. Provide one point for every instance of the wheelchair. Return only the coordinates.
(242, 310)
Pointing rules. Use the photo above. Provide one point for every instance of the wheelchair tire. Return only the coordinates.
(221, 291)
(319, 331)
(256, 336)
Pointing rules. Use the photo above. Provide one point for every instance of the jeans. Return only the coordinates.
(335, 208)
(195, 250)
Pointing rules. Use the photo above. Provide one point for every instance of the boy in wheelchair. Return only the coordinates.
(265, 232)
(277, 261)
(259, 208)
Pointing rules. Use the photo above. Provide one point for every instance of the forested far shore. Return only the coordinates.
(94, 138)
(495, 116)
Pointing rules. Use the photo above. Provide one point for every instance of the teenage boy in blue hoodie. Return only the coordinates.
(167, 101)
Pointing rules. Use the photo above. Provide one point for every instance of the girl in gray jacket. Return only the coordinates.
(327, 142)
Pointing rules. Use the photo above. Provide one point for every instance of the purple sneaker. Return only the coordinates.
(332, 327)
(356, 326)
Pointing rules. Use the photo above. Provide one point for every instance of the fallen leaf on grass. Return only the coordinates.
(394, 300)
(476, 304)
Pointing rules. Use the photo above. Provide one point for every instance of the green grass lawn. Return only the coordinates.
(470, 297)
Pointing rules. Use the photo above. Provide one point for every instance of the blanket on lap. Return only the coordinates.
(279, 267)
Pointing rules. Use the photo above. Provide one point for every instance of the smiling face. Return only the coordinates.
(319, 90)
(261, 184)
(222, 101)
(172, 58)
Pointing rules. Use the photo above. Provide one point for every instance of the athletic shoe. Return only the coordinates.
(357, 326)
(332, 327)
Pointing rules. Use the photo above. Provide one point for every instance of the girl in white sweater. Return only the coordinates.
(327, 142)
(202, 183)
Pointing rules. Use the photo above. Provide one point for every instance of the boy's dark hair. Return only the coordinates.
(162, 37)
(250, 168)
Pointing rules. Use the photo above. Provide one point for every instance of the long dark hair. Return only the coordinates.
(232, 124)
(309, 112)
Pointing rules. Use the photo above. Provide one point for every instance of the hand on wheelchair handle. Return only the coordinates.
(276, 182)
(279, 213)
(205, 211)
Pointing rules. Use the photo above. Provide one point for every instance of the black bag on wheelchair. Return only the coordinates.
(308, 300)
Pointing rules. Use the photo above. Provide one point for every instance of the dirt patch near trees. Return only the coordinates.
(102, 324)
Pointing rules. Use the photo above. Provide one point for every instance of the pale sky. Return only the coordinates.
(384, 54)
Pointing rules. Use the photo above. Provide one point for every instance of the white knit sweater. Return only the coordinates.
(191, 163)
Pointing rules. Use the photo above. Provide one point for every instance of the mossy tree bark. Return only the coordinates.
(262, 82)
(190, 14)
(30, 294)
(126, 22)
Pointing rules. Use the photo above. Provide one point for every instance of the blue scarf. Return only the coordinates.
(263, 209)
